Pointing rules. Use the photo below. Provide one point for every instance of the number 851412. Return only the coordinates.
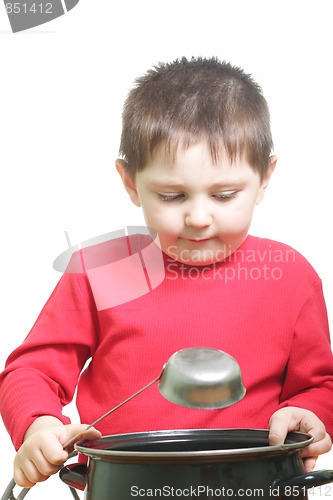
(23, 8)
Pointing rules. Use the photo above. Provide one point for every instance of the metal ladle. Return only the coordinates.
(196, 377)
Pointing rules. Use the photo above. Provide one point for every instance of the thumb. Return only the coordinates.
(275, 438)
(278, 429)
(75, 432)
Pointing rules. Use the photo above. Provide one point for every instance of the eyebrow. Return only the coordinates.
(175, 185)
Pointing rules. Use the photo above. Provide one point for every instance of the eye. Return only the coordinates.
(170, 196)
(225, 195)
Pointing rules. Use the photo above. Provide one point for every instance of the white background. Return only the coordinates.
(61, 92)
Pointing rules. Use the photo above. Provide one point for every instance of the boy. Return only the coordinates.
(197, 157)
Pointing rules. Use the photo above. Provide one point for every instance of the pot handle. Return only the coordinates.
(74, 475)
(298, 485)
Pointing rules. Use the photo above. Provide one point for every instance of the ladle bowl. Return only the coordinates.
(202, 378)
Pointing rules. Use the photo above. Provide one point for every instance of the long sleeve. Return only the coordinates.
(309, 375)
(41, 375)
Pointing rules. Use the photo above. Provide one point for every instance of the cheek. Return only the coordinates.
(236, 218)
(161, 218)
(154, 221)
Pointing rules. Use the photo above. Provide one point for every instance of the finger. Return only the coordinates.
(47, 466)
(21, 479)
(28, 475)
(91, 433)
(31, 466)
(51, 458)
(276, 438)
(317, 447)
(279, 427)
(313, 426)
(309, 463)
(46, 454)
(75, 432)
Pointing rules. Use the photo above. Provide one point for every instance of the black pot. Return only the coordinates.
(212, 463)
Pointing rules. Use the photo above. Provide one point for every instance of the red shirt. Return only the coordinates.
(263, 305)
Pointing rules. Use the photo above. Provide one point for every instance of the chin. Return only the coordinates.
(201, 261)
(196, 256)
(202, 264)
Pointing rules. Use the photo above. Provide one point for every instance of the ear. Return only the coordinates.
(128, 181)
(266, 178)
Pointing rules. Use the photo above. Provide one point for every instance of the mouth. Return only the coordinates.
(197, 240)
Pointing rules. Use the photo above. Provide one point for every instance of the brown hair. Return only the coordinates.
(181, 103)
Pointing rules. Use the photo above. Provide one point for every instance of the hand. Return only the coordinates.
(42, 453)
(297, 419)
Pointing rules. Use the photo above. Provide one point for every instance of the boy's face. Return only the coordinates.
(201, 211)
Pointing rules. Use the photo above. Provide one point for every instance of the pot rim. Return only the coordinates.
(103, 447)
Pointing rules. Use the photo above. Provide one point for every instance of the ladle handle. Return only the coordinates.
(73, 440)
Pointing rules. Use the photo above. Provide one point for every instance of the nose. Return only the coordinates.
(198, 215)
